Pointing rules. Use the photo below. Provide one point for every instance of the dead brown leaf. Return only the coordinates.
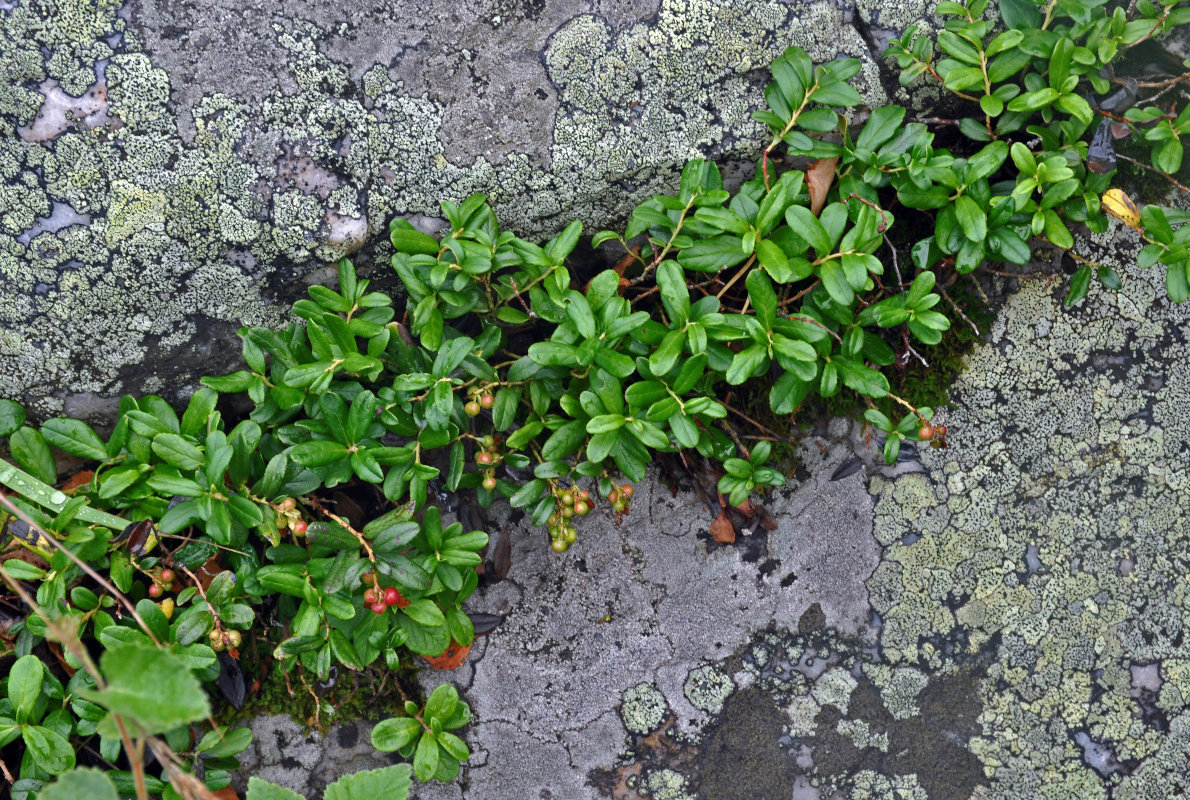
(455, 655)
(819, 177)
(722, 529)
(76, 480)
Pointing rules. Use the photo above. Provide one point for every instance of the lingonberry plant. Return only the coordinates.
(313, 530)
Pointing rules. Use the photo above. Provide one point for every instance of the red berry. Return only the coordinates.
(626, 490)
(486, 400)
(581, 508)
(484, 459)
(287, 504)
(298, 528)
(471, 409)
(391, 596)
(925, 432)
(156, 590)
(379, 607)
(489, 482)
(369, 596)
(613, 497)
(167, 575)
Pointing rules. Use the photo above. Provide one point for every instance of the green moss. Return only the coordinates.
(351, 696)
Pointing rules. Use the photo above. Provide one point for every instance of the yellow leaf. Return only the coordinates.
(1120, 206)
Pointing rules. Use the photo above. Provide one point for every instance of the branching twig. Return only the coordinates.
(346, 526)
(767, 430)
(1145, 166)
(102, 581)
(896, 266)
(955, 306)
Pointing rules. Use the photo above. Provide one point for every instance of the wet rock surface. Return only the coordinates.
(1006, 621)
(171, 171)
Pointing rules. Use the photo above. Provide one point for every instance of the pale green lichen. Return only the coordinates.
(861, 734)
(871, 785)
(1057, 542)
(707, 688)
(643, 709)
(900, 688)
(664, 784)
(834, 688)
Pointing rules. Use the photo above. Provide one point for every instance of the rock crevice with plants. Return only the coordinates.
(314, 528)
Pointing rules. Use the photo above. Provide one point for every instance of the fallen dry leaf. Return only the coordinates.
(722, 530)
(227, 793)
(819, 177)
(455, 655)
(626, 261)
(76, 480)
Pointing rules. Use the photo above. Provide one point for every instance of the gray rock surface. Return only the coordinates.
(170, 171)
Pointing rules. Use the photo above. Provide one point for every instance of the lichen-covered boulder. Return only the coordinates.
(171, 171)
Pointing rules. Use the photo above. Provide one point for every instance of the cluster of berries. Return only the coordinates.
(569, 503)
(379, 599)
(289, 517)
(934, 434)
(480, 399)
(225, 640)
(164, 582)
(487, 458)
(620, 497)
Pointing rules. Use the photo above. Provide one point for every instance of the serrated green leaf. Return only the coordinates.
(174, 696)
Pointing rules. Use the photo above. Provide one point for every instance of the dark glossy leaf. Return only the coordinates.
(713, 254)
(32, 453)
(72, 436)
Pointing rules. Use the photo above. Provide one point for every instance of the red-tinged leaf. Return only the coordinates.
(455, 655)
(819, 177)
(722, 529)
(77, 480)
